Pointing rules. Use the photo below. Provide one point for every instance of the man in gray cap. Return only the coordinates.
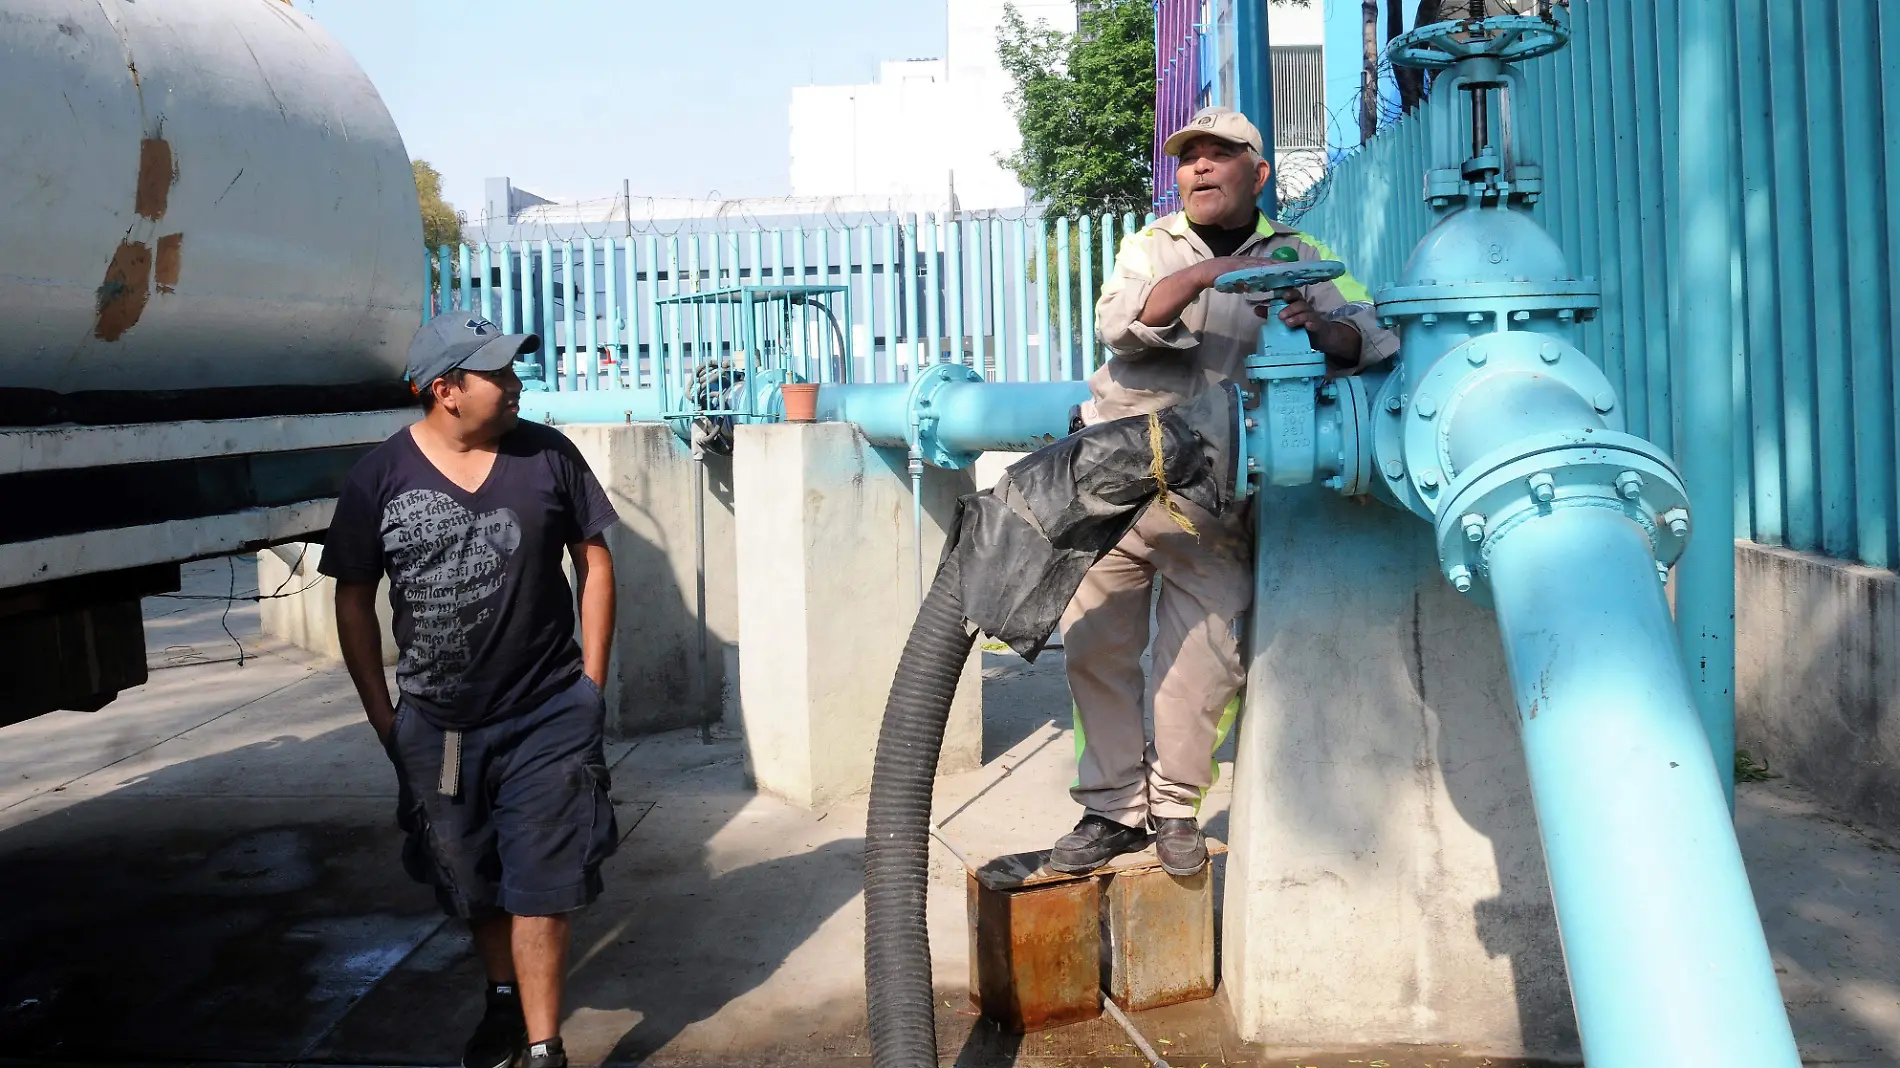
(496, 733)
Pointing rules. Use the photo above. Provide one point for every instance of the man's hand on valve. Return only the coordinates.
(1336, 340)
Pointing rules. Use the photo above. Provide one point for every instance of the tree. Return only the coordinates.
(1369, 69)
(1084, 104)
(441, 224)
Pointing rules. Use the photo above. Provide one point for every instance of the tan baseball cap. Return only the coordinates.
(1221, 122)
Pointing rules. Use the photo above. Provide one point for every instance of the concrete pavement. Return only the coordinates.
(206, 871)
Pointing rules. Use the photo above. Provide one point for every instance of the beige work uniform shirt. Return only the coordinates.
(1155, 367)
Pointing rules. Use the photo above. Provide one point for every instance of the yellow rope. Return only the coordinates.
(1158, 469)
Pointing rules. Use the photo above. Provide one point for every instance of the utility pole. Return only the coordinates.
(1253, 89)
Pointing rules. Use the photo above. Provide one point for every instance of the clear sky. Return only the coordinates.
(568, 97)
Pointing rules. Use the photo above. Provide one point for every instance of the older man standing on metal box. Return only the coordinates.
(1173, 336)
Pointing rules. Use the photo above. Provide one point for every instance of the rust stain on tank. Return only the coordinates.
(171, 249)
(127, 286)
(155, 177)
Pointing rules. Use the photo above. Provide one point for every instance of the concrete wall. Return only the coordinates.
(1386, 883)
(308, 619)
(827, 581)
(1817, 670)
(655, 682)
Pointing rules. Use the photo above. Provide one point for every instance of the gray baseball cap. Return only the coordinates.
(465, 340)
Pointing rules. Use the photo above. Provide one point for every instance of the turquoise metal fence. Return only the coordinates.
(1012, 298)
(1815, 151)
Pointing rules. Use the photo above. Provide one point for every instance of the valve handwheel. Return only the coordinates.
(1506, 38)
(1278, 276)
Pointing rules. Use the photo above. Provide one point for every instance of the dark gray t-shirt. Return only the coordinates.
(484, 616)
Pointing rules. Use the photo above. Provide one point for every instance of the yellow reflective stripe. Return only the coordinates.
(1135, 256)
(1226, 725)
(1351, 288)
(1081, 743)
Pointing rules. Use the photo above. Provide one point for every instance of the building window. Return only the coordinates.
(1299, 97)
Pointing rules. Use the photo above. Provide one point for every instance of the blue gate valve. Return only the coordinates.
(1299, 426)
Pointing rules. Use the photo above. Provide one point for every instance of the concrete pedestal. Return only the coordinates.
(656, 681)
(1386, 883)
(827, 593)
(300, 604)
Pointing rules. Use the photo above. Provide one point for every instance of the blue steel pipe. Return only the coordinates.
(1667, 960)
(882, 412)
(948, 418)
(1005, 416)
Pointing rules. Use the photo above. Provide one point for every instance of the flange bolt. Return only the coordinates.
(1629, 485)
(1335, 483)
(1474, 527)
(1425, 408)
(1429, 478)
(1543, 487)
(1678, 522)
(1605, 401)
(1460, 577)
(1394, 469)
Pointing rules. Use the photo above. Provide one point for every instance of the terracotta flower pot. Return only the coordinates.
(801, 401)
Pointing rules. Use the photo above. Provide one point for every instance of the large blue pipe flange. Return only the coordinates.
(1497, 301)
(1605, 469)
(925, 390)
(1491, 392)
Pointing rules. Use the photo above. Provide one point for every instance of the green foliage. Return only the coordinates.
(1084, 103)
(441, 224)
(1748, 769)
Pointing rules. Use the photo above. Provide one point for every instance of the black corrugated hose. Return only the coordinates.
(896, 861)
(1016, 555)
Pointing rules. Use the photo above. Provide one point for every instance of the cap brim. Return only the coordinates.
(1175, 143)
(501, 352)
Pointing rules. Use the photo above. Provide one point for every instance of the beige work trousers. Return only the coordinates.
(1206, 588)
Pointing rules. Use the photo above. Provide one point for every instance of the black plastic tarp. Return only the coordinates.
(1024, 545)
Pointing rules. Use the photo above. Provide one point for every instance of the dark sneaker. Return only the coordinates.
(502, 1034)
(1179, 845)
(1094, 842)
(547, 1054)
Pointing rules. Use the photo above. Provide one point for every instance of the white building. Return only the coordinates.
(929, 129)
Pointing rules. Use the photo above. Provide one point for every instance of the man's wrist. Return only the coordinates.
(1340, 342)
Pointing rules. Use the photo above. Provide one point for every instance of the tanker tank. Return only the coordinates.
(206, 202)
(213, 269)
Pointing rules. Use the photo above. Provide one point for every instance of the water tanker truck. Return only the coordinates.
(208, 284)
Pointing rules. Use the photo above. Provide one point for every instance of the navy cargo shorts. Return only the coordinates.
(530, 820)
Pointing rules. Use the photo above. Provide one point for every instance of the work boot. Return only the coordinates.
(547, 1054)
(502, 1034)
(1179, 844)
(1093, 843)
